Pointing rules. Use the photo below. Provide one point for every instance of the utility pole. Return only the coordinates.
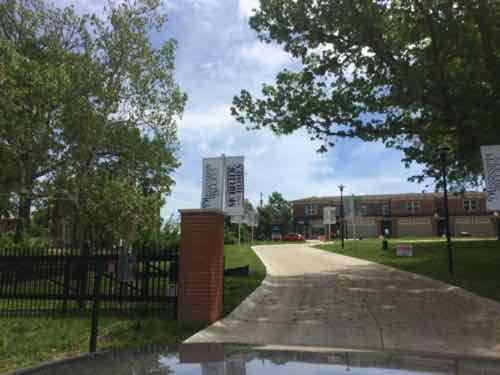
(341, 187)
(261, 200)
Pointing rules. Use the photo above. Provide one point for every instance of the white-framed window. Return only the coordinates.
(386, 209)
(413, 206)
(470, 204)
(363, 210)
(311, 209)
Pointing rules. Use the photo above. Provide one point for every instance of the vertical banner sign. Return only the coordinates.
(329, 215)
(491, 163)
(211, 196)
(235, 185)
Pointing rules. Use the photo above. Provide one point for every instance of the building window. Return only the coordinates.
(470, 205)
(386, 209)
(311, 210)
(363, 210)
(413, 206)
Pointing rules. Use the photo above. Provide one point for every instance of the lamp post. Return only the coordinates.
(443, 153)
(341, 188)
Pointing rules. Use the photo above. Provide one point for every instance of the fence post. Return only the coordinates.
(95, 308)
(66, 285)
(173, 276)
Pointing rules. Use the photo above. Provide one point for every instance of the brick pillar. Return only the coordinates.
(201, 266)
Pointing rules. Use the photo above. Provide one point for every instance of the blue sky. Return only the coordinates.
(218, 55)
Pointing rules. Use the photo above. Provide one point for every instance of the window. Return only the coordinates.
(311, 210)
(413, 206)
(470, 205)
(363, 210)
(386, 209)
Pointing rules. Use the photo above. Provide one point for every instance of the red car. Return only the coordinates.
(293, 237)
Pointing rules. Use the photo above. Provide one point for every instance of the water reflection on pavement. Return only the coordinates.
(217, 359)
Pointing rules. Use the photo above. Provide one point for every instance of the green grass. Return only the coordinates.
(477, 261)
(25, 341)
(237, 288)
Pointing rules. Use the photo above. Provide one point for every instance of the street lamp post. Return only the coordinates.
(443, 152)
(341, 188)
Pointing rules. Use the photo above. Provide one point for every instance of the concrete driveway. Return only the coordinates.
(314, 298)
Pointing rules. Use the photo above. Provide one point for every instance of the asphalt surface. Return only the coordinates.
(315, 298)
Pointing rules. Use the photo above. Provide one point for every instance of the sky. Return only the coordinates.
(218, 55)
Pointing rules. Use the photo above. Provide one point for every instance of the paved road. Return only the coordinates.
(315, 298)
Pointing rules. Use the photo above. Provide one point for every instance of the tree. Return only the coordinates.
(276, 211)
(410, 73)
(90, 110)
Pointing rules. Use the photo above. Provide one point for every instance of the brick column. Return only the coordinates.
(201, 266)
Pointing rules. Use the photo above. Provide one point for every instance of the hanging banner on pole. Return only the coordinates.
(211, 196)
(329, 215)
(491, 164)
(234, 173)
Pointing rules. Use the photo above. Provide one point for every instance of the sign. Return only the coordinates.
(404, 250)
(234, 175)
(253, 219)
(491, 164)
(239, 219)
(224, 184)
(126, 267)
(211, 196)
(329, 215)
(349, 207)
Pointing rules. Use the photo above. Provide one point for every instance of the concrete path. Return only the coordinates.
(314, 298)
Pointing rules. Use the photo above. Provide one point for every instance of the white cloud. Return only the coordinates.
(269, 56)
(246, 8)
(205, 123)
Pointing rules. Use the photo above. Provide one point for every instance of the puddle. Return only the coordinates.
(216, 359)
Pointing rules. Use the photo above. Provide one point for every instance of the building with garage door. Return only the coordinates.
(401, 215)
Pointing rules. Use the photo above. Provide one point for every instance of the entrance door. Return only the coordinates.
(386, 227)
(441, 227)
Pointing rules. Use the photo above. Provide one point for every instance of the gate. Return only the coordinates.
(61, 281)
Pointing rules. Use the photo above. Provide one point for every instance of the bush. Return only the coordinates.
(229, 238)
(22, 240)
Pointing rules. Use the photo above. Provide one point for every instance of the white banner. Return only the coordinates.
(349, 207)
(239, 219)
(329, 215)
(211, 196)
(253, 219)
(235, 185)
(491, 164)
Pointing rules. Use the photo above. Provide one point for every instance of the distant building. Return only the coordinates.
(402, 215)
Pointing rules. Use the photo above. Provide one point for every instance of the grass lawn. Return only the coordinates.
(477, 261)
(25, 341)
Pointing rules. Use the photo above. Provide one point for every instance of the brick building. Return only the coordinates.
(403, 215)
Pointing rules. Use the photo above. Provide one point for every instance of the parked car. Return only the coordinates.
(293, 237)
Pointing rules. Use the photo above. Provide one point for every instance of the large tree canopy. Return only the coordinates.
(411, 73)
(88, 110)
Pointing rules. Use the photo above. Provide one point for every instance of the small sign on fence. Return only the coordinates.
(126, 267)
(404, 250)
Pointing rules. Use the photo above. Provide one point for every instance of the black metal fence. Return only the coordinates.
(51, 281)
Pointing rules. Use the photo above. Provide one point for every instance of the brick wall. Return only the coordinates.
(201, 266)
